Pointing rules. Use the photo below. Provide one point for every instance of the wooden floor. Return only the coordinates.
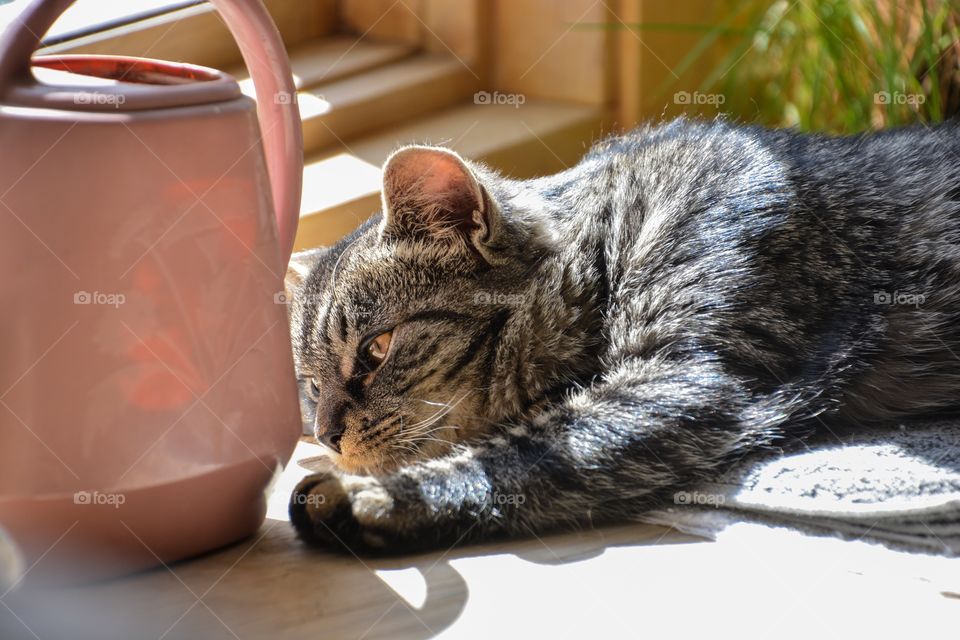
(622, 582)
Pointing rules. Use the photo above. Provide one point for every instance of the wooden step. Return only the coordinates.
(332, 59)
(335, 112)
(348, 87)
(342, 188)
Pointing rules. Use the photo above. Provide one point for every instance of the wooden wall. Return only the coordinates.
(621, 55)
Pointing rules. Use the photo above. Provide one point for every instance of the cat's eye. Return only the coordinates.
(378, 348)
(313, 390)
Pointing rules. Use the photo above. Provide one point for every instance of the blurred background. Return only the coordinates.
(526, 85)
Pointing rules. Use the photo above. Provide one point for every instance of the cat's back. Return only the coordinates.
(885, 161)
(719, 183)
(781, 251)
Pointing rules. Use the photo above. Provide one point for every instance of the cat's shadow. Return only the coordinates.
(419, 596)
(275, 586)
(447, 590)
(433, 590)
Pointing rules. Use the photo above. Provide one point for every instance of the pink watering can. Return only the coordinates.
(147, 391)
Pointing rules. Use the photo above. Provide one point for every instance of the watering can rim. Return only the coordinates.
(189, 85)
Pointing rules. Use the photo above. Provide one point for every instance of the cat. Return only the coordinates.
(495, 357)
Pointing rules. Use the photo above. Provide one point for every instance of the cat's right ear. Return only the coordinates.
(432, 194)
(301, 263)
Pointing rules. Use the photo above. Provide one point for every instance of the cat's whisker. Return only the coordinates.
(429, 420)
(422, 428)
(434, 430)
(427, 439)
(431, 402)
(433, 418)
(408, 448)
(447, 408)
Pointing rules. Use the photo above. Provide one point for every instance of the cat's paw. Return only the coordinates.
(352, 513)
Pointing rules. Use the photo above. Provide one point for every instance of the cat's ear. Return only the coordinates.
(430, 192)
(301, 263)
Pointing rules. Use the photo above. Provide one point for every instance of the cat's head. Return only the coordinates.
(400, 330)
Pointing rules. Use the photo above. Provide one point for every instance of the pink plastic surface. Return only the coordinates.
(147, 391)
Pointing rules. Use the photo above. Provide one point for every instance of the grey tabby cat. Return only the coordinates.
(501, 357)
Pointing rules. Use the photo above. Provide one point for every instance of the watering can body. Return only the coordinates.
(147, 392)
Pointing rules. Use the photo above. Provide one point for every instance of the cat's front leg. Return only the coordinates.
(607, 452)
(424, 505)
(520, 482)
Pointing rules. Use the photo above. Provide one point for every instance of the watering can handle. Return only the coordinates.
(266, 59)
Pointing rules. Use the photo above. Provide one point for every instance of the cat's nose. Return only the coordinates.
(328, 428)
(331, 438)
